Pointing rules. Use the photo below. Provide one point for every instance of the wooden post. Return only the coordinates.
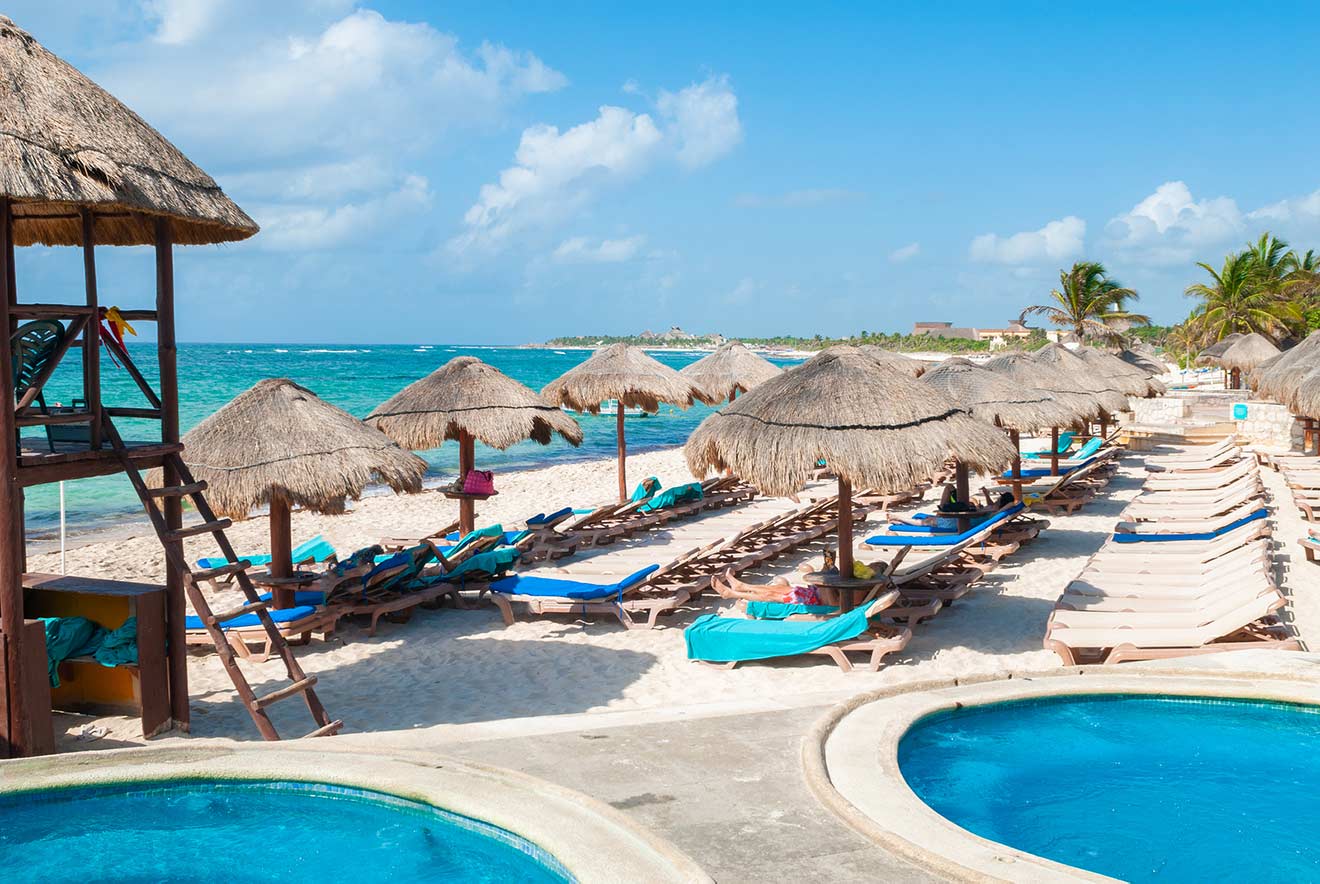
(1017, 465)
(11, 527)
(1235, 379)
(167, 354)
(467, 507)
(623, 456)
(1054, 451)
(962, 488)
(281, 550)
(845, 558)
(92, 333)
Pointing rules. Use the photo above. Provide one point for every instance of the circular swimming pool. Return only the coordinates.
(253, 831)
(1139, 787)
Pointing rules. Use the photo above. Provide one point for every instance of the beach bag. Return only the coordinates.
(479, 482)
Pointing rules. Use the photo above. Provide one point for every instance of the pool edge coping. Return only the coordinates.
(593, 841)
(912, 830)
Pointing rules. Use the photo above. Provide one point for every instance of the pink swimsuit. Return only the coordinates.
(802, 595)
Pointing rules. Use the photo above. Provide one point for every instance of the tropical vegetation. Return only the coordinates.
(1090, 304)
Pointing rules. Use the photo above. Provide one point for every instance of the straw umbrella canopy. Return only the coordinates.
(1128, 379)
(278, 444)
(466, 400)
(730, 370)
(1210, 355)
(631, 378)
(993, 397)
(1248, 352)
(1144, 359)
(1281, 376)
(66, 143)
(1024, 371)
(899, 361)
(874, 426)
(1058, 359)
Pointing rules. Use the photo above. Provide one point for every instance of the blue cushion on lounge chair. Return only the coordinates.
(1207, 535)
(577, 590)
(727, 639)
(784, 610)
(480, 534)
(279, 615)
(543, 518)
(939, 539)
(318, 549)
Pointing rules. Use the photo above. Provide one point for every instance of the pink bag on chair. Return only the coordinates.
(479, 482)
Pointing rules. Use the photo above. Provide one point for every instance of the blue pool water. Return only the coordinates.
(252, 832)
(1135, 787)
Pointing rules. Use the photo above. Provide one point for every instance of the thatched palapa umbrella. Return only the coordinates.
(1022, 369)
(1127, 379)
(281, 445)
(1143, 358)
(875, 427)
(1210, 355)
(897, 361)
(1246, 354)
(631, 378)
(730, 370)
(994, 398)
(465, 400)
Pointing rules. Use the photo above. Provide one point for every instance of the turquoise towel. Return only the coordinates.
(784, 610)
(119, 645)
(69, 637)
(672, 497)
(727, 639)
(1065, 441)
(473, 536)
(318, 549)
(489, 563)
(647, 487)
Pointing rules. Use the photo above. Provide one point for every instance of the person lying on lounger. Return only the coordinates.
(779, 589)
(949, 511)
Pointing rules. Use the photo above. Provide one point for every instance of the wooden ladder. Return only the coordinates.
(300, 682)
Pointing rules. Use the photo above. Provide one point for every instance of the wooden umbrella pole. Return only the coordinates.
(467, 507)
(1054, 451)
(1017, 464)
(281, 549)
(962, 487)
(11, 580)
(623, 453)
(845, 558)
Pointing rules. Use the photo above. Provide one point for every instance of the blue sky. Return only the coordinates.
(503, 173)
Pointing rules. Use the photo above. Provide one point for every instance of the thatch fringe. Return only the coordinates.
(1127, 379)
(899, 361)
(467, 395)
(730, 370)
(1024, 371)
(66, 144)
(992, 397)
(1075, 374)
(279, 440)
(1210, 355)
(625, 374)
(1248, 353)
(873, 425)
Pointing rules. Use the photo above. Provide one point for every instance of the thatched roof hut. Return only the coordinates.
(1210, 355)
(730, 370)
(1280, 377)
(281, 441)
(1024, 371)
(875, 427)
(1144, 358)
(1248, 352)
(1058, 360)
(627, 375)
(993, 397)
(1127, 379)
(899, 361)
(465, 395)
(66, 143)
(633, 380)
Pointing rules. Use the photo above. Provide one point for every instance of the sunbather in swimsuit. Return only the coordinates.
(779, 589)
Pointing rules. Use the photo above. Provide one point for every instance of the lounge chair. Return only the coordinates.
(1200, 481)
(557, 595)
(1212, 530)
(296, 625)
(728, 641)
(1065, 442)
(979, 532)
(315, 551)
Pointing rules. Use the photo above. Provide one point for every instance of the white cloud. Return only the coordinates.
(308, 226)
(905, 253)
(1056, 241)
(1301, 209)
(557, 173)
(1171, 227)
(703, 121)
(796, 198)
(580, 250)
(180, 21)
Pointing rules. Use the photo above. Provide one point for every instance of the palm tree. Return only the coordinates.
(1240, 299)
(1183, 341)
(1271, 260)
(1090, 303)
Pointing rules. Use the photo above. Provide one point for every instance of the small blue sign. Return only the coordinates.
(1240, 411)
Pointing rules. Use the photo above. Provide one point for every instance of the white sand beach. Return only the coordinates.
(460, 674)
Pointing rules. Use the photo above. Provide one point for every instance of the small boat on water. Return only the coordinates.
(611, 407)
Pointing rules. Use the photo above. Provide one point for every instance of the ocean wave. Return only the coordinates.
(351, 350)
(278, 350)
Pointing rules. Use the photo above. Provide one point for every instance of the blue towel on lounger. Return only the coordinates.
(318, 549)
(577, 590)
(1207, 535)
(540, 519)
(1065, 442)
(941, 539)
(727, 639)
(672, 497)
(305, 603)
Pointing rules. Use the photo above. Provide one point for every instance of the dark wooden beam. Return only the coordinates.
(138, 315)
(120, 411)
(49, 311)
(92, 333)
(11, 574)
(167, 353)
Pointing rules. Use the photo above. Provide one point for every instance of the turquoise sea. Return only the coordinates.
(356, 378)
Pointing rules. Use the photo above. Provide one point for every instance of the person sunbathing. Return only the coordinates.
(951, 511)
(779, 589)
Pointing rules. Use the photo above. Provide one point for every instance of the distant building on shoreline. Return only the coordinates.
(1014, 332)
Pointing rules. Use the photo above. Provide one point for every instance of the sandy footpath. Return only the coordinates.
(460, 673)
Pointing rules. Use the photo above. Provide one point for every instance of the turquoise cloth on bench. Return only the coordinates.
(79, 637)
(1206, 535)
(645, 489)
(480, 534)
(576, 590)
(318, 549)
(719, 639)
(1065, 442)
(672, 497)
(490, 563)
(783, 610)
(941, 539)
